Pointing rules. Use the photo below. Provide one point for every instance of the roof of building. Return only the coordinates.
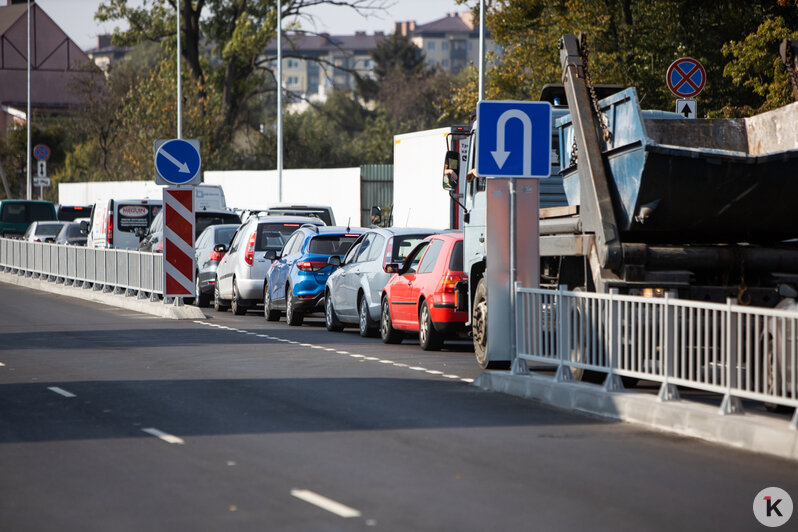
(308, 42)
(451, 23)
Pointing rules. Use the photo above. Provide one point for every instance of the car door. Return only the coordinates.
(372, 276)
(224, 271)
(351, 284)
(341, 286)
(278, 274)
(401, 301)
(426, 276)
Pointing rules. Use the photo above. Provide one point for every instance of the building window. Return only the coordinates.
(444, 46)
(367, 63)
(292, 63)
(445, 63)
(292, 81)
(431, 46)
(430, 63)
(470, 46)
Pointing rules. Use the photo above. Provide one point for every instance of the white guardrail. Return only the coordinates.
(739, 352)
(118, 270)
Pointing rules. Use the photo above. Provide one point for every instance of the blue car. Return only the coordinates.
(297, 276)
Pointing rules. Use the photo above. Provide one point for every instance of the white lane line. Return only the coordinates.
(324, 503)
(60, 391)
(306, 345)
(387, 362)
(1, 364)
(370, 358)
(467, 380)
(399, 365)
(329, 349)
(168, 438)
(452, 376)
(434, 372)
(417, 368)
(342, 352)
(356, 356)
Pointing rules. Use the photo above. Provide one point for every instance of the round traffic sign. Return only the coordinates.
(178, 161)
(41, 152)
(686, 77)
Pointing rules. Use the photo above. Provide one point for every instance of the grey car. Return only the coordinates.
(352, 294)
(71, 235)
(42, 231)
(240, 274)
(207, 259)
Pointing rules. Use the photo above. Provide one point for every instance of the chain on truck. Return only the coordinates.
(645, 202)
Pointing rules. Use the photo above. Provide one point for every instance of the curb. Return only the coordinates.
(185, 312)
(749, 432)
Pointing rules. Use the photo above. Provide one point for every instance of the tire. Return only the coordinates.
(268, 312)
(239, 309)
(202, 300)
(292, 316)
(218, 303)
(773, 382)
(366, 328)
(331, 321)
(429, 338)
(388, 334)
(581, 374)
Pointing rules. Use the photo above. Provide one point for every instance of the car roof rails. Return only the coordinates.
(311, 226)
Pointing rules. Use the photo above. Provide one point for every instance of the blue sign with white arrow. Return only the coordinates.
(513, 139)
(177, 162)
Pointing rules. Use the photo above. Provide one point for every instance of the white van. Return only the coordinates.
(114, 223)
(209, 198)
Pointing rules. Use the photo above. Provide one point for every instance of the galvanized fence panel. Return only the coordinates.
(376, 188)
(737, 351)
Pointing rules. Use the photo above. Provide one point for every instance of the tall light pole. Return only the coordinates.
(28, 117)
(481, 50)
(279, 101)
(179, 80)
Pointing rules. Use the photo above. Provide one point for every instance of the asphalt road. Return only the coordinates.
(112, 420)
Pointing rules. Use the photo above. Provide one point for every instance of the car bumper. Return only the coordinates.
(308, 301)
(207, 280)
(250, 288)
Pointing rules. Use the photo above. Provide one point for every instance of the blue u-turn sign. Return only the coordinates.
(513, 139)
(177, 162)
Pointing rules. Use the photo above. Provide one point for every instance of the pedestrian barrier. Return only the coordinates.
(118, 270)
(737, 351)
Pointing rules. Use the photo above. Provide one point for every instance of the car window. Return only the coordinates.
(365, 248)
(206, 219)
(14, 213)
(274, 235)
(352, 253)
(412, 260)
(404, 244)
(132, 217)
(46, 230)
(41, 211)
(291, 244)
(431, 256)
(331, 244)
(456, 259)
(202, 241)
(377, 248)
(237, 239)
(224, 235)
(29, 230)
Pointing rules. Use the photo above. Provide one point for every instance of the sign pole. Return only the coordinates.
(179, 80)
(28, 117)
(279, 101)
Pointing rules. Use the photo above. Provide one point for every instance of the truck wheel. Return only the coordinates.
(428, 337)
(268, 312)
(388, 334)
(331, 321)
(479, 329)
(293, 316)
(219, 305)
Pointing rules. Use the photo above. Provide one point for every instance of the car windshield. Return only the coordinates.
(331, 244)
(69, 214)
(223, 235)
(404, 244)
(274, 235)
(206, 219)
(72, 230)
(41, 211)
(48, 229)
(322, 215)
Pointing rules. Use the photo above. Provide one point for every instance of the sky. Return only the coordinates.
(76, 17)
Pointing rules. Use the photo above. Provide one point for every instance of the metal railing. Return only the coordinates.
(118, 270)
(739, 352)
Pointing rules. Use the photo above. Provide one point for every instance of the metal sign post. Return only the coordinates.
(686, 78)
(513, 144)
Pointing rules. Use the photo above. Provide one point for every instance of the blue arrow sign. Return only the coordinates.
(513, 139)
(177, 162)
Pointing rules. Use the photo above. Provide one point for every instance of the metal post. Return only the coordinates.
(481, 50)
(513, 268)
(179, 80)
(279, 101)
(28, 117)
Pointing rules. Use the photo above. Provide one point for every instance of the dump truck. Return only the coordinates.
(701, 209)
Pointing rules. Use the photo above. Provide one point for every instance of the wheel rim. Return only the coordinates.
(266, 299)
(363, 316)
(197, 286)
(385, 322)
(289, 308)
(479, 330)
(328, 307)
(423, 331)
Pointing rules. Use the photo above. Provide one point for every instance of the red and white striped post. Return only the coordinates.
(178, 250)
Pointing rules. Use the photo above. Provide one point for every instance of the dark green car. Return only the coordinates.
(17, 215)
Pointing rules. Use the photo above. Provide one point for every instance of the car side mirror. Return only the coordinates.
(84, 227)
(451, 168)
(335, 260)
(392, 268)
(271, 254)
(220, 248)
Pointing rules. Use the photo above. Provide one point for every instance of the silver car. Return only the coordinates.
(352, 294)
(240, 273)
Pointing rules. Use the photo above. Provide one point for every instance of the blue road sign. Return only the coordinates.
(686, 77)
(513, 139)
(177, 162)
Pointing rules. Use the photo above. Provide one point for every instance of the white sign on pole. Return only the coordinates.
(42, 168)
(687, 107)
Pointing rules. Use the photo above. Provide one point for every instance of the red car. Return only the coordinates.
(421, 297)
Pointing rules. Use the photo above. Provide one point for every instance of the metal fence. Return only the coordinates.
(739, 352)
(118, 270)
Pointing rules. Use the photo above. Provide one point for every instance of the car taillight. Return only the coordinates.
(449, 283)
(249, 256)
(109, 236)
(311, 265)
(386, 259)
(215, 256)
(158, 247)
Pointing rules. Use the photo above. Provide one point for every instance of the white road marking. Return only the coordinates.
(357, 356)
(1, 364)
(306, 345)
(329, 349)
(434, 372)
(60, 391)
(387, 362)
(417, 368)
(452, 376)
(342, 352)
(399, 365)
(325, 504)
(168, 438)
(467, 380)
(370, 358)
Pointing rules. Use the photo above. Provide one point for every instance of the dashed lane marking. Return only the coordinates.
(61, 391)
(341, 510)
(168, 438)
